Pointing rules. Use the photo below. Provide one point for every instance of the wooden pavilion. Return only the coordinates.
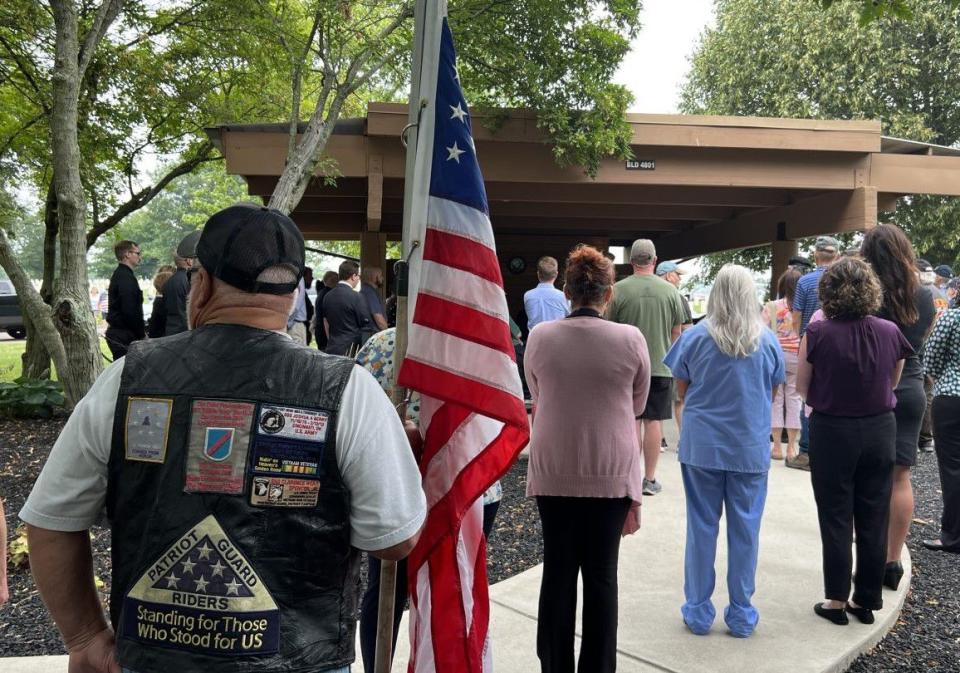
(699, 184)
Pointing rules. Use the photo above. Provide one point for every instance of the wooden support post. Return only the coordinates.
(375, 193)
(373, 250)
(782, 252)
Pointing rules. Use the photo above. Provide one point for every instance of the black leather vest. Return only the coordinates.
(230, 518)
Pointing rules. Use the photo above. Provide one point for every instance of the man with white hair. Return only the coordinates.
(655, 307)
(241, 474)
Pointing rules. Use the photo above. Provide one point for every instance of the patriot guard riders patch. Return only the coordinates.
(289, 442)
(202, 595)
(218, 447)
(147, 429)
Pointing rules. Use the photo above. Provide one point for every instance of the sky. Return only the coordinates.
(656, 66)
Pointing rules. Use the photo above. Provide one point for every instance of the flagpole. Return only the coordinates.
(423, 86)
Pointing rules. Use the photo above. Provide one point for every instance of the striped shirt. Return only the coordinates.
(806, 298)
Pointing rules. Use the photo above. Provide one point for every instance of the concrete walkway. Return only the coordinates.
(652, 637)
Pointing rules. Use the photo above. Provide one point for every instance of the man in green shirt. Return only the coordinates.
(655, 307)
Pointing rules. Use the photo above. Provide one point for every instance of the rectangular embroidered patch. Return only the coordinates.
(307, 425)
(147, 429)
(284, 492)
(277, 456)
(218, 447)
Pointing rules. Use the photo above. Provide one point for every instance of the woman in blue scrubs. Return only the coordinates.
(727, 369)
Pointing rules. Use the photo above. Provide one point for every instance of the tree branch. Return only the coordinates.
(146, 195)
(106, 15)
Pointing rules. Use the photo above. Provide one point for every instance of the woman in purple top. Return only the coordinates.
(849, 365)
(589, 379)
(909, 305)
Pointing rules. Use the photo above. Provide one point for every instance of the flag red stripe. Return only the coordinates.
(481, 602)
(445, 515)
(464, 322)
(476, 396)
(448, 624)
(462, 253)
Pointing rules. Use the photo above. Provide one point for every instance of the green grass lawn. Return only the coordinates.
(10, 352)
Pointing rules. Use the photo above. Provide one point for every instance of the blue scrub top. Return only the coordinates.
(726, 412)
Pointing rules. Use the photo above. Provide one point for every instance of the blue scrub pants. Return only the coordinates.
(707, 493)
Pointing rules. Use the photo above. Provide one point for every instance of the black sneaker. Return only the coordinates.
(926, 447)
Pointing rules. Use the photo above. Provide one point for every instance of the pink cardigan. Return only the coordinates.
(589, 379)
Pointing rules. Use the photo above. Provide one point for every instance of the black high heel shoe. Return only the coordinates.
(836, 615)
(892, 575)
(865, 615)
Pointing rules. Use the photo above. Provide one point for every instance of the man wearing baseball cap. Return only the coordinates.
(671, 273)
(176, 289)
(943, 274)
(240, 472)
(806, 301)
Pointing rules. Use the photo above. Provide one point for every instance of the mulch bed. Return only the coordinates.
(927, 636)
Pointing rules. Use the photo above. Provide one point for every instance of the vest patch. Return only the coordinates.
(219, 444)
(289, 442)
(202, 595)
(147, 429)
(308, 425)
(282, 492)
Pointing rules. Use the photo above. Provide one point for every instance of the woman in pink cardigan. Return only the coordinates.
(589, 380)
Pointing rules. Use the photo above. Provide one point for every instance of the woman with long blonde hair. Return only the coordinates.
(726, 369)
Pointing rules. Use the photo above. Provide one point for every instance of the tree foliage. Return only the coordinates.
(798, 59)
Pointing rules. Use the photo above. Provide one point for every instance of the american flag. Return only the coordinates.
(461, 358)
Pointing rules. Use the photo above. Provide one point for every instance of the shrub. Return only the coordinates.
(30, 398)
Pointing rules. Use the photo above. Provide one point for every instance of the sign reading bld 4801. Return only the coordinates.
(641, 165)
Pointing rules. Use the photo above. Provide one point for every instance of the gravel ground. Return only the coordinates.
(926, 638)
(927, 635)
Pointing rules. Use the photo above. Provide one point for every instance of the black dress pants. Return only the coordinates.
(370, 602)
(851, 467)
(580, 535)
(946, 433)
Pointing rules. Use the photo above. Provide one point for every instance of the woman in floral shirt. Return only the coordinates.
(942, 363)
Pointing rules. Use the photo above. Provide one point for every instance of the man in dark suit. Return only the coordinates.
(330, 280)
(125, 311)
(346, 317)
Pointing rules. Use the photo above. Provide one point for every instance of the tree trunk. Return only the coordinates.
(36, 357)
(72, 315)
(303, 161)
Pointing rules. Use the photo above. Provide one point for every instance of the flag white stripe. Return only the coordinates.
(456, 218)
(466, 443)
(464, 358)
(421, 629)
(464, 288)
(468, 546)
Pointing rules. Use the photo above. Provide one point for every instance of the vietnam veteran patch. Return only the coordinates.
(202, 595)
(147, 429)
(218, 447)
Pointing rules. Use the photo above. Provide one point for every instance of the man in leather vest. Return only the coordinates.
(241, 474)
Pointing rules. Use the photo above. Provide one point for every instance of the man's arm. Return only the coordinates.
(326, 327)
(675, 332)
(62, 565)
(131, 307)
(381, 321)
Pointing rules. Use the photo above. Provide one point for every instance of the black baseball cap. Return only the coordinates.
(944, 271)
(801, 261)
(242, 241)
(924, 266)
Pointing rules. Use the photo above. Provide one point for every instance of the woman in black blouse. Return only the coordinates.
(910, 306)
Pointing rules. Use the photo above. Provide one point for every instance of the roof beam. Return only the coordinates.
(915, 174)
(828, 213)
(375, 193)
